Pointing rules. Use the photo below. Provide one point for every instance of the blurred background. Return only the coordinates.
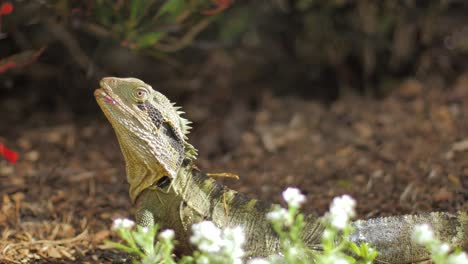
(363, 97)
(308, 48)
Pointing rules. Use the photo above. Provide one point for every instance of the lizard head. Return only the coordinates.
(151, 133)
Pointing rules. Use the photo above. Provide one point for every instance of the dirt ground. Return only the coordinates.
(403, 154)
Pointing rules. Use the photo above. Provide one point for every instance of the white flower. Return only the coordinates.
(167, 234)
(369, 248)
(258, 261)
(343, 204)
(460, 258)
(339, 221)
(442, 249)
(233, 239)
(280, 215)
(423, 234)
(327, 234)
(207, 237)
(341, 210)
(235, 235)
(122, 223)
(144, 229)
(293, 251)
(293, 197)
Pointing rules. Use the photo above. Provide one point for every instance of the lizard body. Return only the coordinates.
(169, 191)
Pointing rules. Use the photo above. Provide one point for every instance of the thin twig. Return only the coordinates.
(9, 260)
(95, 30)
(73, 47)
(186, 39)
(50, 242)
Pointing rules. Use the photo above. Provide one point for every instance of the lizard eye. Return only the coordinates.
(141, 93)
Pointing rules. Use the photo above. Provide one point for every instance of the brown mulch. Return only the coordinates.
(403, 154)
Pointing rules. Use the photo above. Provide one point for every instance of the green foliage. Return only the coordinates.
(360, 44)
(141, 243)
(150, 24)
(231, 26)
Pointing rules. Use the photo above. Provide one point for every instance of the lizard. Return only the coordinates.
(168, 190)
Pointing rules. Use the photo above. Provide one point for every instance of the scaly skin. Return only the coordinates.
(168, 190)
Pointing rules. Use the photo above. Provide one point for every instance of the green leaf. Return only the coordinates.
(138, 8)
(172, 8)
(355, 249)
(149, 39)
(103, 13)
(350, 259)
(233, 25)
(121, 247)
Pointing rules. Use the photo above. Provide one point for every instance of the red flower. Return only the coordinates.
(6, 8)
(9, 154)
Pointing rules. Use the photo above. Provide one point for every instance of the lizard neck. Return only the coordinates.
(212, 200)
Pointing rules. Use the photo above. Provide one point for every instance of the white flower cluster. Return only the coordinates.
(122, 223)
(233, 240)
(207, 237)
(293, 197)
(213, 242)
(423, 234)
(341, 211)
(280, 215)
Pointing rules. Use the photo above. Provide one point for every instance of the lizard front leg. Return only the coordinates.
(156, 206)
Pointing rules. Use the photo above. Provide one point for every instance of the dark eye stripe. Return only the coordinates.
(154, 114)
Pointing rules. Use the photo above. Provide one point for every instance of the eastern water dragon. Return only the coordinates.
(167, 189)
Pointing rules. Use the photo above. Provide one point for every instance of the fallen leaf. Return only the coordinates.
(460, 145)
(443, 195)
(454, 179)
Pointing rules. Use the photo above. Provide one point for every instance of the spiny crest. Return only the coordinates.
(185, 125)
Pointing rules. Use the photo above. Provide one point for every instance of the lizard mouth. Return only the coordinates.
(104, 94)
